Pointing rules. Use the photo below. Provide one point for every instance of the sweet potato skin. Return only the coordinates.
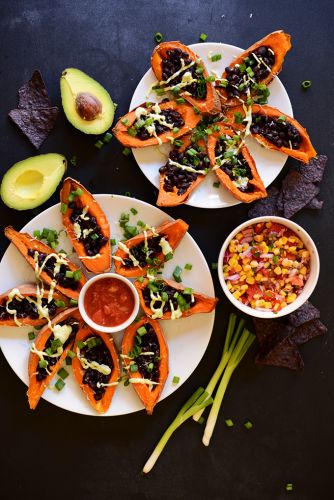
(211, 104)
(104, 403)
(99, 264)
(36, 388)
(149, 398)
(303, 154)
(279, 42)
(172, 199)
(204, 304)
(187, 112)
(175, 230)
(224, 179)
(24, 242)
(29, 290)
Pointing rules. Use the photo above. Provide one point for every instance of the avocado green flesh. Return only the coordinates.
(74, 82)
(30, 182)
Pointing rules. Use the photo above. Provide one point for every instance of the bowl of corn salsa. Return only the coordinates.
(268, 266)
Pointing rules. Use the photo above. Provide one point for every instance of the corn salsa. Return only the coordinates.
(266, 266)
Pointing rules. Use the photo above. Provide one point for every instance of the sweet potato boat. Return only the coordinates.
(22, 299)
(97, 386)
(87, 235)
(278, 43)
(27, 244)
(170, 54)
(192, 303)
(143, 337)
(264, 115)
(244, 164)
(127, 134)
(169, 233)
(39, 377)
(172, 190)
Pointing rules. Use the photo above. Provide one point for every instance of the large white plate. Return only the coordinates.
(187, 338)
(269, 163)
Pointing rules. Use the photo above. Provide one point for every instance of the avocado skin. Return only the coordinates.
(73, 83)
(30, 182)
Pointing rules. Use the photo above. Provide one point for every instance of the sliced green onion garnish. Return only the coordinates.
(80, 344)
(180, 100)
(31, 335)
(71, 354)
(140, 223)
(133, 368)
(158, 37)
(133, 211)
(216, 57)
(229, 422)
(203, 37)
(94, 236)
(176, 379)
(248, 425)
(125, 121)
(37, 233)
(60, 384)
(141, 331)
(216, 184)
(127, 193)
(306, 84)
(140, 279)
(178, 143)
(168, 256)
(53, 245)
(73, 302)
(62, 373)
(196, 110)
(132, 131)
(60, 303)
(281, 119)
(99, 144)
(210, 79)
(107, 137)
(164, 296)
(69, 274)
(77, 275)
(68, 361)
(73, 161)
(177, 274)
(188, 266)
(238, 117)
(176, 130)
(188, 291)
(214, 265)
(42, 363)
(112, 241)
(289, 486)
(126, 151)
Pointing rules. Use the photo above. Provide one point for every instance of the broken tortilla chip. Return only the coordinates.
(36, 124)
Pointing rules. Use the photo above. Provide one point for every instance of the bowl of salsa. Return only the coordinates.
(108, 302)
(268, 266)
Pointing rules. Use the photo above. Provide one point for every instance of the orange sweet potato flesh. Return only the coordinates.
(103, 262)
(305, 152)
(149, 398)
(171, 198)
(174, 230)
(189, 116)
(36, 387)
(24, 242)
(224, 179)
(279, 42)
(29, 290)
(204, 304)
(209, 105)
(79, 372)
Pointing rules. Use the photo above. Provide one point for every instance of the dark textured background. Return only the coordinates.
(55, 454)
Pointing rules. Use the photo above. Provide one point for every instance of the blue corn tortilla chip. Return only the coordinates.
(35, 124)
(296, 193)
(33, 94)
(315, 204)
(314, 170)
(303, 314)
(284, 355)
(266, 206)
(307, 331)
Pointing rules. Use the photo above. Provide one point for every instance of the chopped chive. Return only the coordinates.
(62, 373)
(69, 274)
(125, 121)
(77, 275)
(188, 266)
(60, 384)
(140, 223)
(177, 274)
(126, 151)
(133, 368)
(60, 303)
(188, 291)
(71, 354)
(210, 79)
(238, 117)
(39, 327)
(216, 57)
(112, 241)
(140, 279)
(133, 211)
(141, 331)
(128, 194)
(306, 84)
(158, 37)
(37, 233)
(80, 344)
(42, 363)
(175, 130)
(68, 361)
(148, 104)
(73, 302)
(178, 143)
(107, 137)
(248, 425)
(94, 236)
(289, 486)
(203, 37)
(53, 245)
(281, 119)
(99, 144)
(196, 110)
(214, 265)
(31, 335)
(229, 422)
(73, 161)
(180, 100)
(132, 131)
(164, 296)
(176, 379)
(216, 184)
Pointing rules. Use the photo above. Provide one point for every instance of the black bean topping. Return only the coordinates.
(95, 240)
(26, 309)
(171, 116)
(276, 130)
(101, 355)
(148, 366)
(138, 251)
(60, 277)
(170, 292)
(235, 167)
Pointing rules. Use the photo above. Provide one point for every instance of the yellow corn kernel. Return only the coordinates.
(239, 248)
(292, 239)
(264, 279)
(236, 295)
(258, 237)
(229, 286)
(276, 307)
(247, 267)
(243, 277)
(278, 270)
(285, 271)
(238, 268)
(268, 224)
(268, 305)
(233, 261)
(260, 303)
(286, 262)
(256, 296)
(276, 251)
(305, 254)
(232, 248)
(258, 277)
(244, 287)
(288, 287)
(254, 263)
(303, 270)
(246, 260)
(291, 298)
(245, 246)
(266, 265)
(283, 293)
(250, 280)
(239, 236)
(283, 240)
(295, 264)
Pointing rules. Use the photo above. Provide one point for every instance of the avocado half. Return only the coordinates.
(87, 105)
(30, 182)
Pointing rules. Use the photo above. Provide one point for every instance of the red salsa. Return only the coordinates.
(109, 301)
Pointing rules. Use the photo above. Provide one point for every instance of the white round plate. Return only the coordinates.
(269, 163)
(187, 338)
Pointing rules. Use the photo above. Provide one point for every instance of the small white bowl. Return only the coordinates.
(101, 328)
(309, 285)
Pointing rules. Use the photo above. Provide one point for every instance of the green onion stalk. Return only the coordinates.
(199, 400)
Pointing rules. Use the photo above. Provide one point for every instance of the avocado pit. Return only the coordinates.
(88, 106)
